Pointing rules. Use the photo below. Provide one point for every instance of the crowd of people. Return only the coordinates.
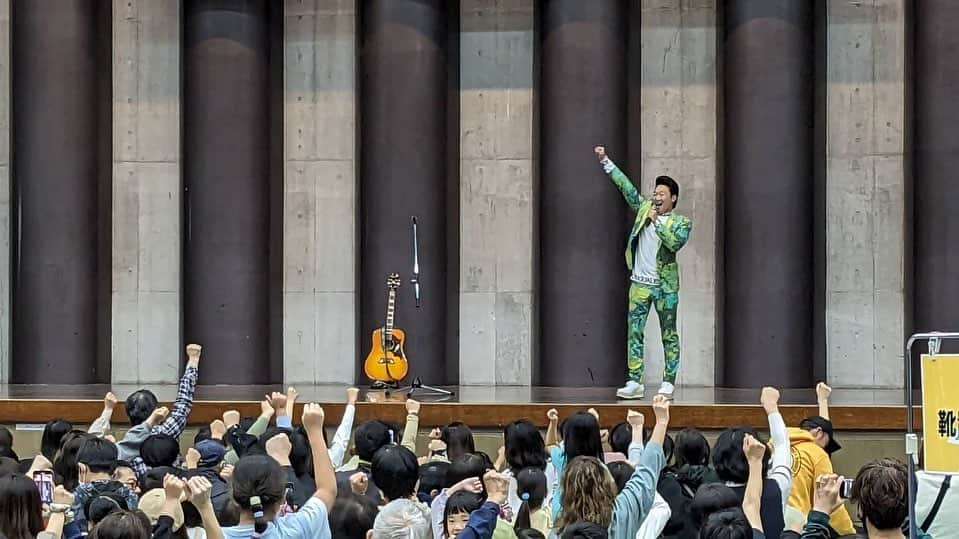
(276, 476)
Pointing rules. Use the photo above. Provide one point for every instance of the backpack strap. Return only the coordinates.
(938, 503)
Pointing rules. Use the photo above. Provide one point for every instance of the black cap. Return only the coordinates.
(826, 426)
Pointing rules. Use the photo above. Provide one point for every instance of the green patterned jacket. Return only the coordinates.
(673, 232)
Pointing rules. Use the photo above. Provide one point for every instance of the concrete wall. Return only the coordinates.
(320, 194)
(496, 192)
(865, 186)
(679, 140)
(146, 191)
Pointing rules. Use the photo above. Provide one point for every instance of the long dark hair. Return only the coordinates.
(691, 448)
(524, 446)
(581, 437)
(531, 488)
(458, 439)
(258, 476)
(52, 439)
(21, 513)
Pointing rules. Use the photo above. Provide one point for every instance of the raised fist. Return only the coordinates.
(823, 391)
(352, 394)
(661, 408)
(193, 350)
(412, 406)
(552, 415)
(230, 418)
(313, 416)
(600, 152)
(109, 400)
(635, 418)
(277, 400)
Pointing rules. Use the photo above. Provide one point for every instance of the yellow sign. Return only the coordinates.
(940, 412)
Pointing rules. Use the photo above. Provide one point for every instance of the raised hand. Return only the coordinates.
(352, 394)
(109, 401)
(823, 392)
(226, 473)
(661, 408)
(217, 429)
(158, 416)
(497, 487)
(277, 401)
(199, 491)
(359, 482)
(193, 354)
(600, 152)
(230, 418)
(635, 419)
(266, 409)
(313, 417)
(826, 499)
(174, 487)
(754, 449)
(412, 407)
(552, 415)
(291, 396)
(436, 434)
(470, 484)
(770, 399)
(279, 447)
(192, 459)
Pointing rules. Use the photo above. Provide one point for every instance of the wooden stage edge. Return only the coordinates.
(882, 418)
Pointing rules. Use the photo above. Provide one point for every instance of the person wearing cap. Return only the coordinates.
(811, 445)
(205, 460)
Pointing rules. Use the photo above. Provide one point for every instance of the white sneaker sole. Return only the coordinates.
(630, 396)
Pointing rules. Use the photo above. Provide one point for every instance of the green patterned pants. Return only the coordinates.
(666, 303)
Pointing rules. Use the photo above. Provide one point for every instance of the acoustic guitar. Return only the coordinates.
(386, 362)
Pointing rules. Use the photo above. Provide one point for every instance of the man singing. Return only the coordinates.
(657, 235)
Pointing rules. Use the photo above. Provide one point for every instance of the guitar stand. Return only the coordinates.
(417, 384)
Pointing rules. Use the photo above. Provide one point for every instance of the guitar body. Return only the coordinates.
(387, 363)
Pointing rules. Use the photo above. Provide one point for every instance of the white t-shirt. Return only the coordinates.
(644, 263)
(310, 521)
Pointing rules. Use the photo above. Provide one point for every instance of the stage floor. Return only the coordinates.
(479, 406)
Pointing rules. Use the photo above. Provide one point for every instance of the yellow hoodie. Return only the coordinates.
(809, 462)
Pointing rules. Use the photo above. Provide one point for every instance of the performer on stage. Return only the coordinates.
(657, 235)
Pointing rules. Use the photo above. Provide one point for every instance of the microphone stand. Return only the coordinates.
(415, 281)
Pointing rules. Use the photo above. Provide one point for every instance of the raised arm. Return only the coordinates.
(175, 424)
(636, 423)
(101, 425)
(552, 431)
(752, 500)
(822, 397)
(412, 425)
(780, 469)
(313, 418)
(200, 490)
(626, 187)
(341, 440)
(639, 493)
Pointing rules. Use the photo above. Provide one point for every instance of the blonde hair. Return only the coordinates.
(588, 493)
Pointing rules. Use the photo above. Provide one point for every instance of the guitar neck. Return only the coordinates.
(390, 308)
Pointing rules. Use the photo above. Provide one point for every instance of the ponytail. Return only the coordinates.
(522, 521)
(259, 522)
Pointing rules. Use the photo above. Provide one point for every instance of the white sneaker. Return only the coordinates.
(632, 390)
(667, 390)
